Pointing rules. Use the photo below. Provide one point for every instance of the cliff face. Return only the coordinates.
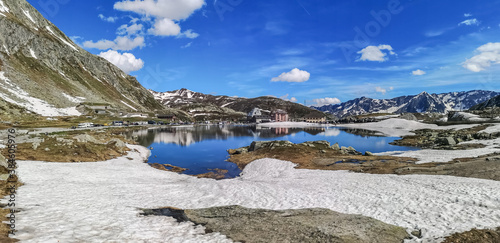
(43, 71)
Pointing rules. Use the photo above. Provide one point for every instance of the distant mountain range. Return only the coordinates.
(204, 106)
(423, 102)
(491, 103)
(42, 72)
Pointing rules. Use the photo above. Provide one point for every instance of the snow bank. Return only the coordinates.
(400, 127)
(430, 155)
(292, 124)
(96, 202)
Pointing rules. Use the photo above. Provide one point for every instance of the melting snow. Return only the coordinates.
(61, 39)
(33, 54)
(33, 104)
(131, 107)
(73, 99)
(428, 155)
(395, 127)
(3, 8)
(6, 50)
(27, 13)
(99, 202)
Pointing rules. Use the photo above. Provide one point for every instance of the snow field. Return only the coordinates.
(98, 202)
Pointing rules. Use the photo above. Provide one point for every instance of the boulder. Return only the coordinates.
(256, 145)
(368, 153)
(118, 143)
(85, 138)
(3, 162)
(293, 225)
(336, 146)
(446, 141)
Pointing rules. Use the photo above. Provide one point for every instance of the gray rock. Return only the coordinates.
(65, 141)
(446, 141)
(336, 146)
(256, 145)
(118, 143)
(408, 116)
(3, 162)
(47, 149)
(35, 145)
(368, 153)
(85, 138)
(299, 225)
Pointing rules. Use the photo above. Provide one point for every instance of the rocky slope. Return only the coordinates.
(423, 102)
(491, 103)
(202, 106)
(43, 71)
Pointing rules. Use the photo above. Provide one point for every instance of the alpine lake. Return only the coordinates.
(203, 148)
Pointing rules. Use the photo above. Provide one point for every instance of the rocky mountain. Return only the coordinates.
(421, 103)
(204, 106)
(491, 103)
(42, 71)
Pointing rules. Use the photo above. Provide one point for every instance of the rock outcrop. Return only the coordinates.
(293, 225)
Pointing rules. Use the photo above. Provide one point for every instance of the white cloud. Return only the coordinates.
(188, 34)
(166, 14)
(107, 19)
(165, 27)
(470, 22)
(170, 9)
(489, 54)
(285, 97)
(126, 61)
(467, 15)
(187, 45)
(326, 101)
(374, 53)
(381, 90)
(130, 29)
(123, 43)
(296, 75)
(418, 72)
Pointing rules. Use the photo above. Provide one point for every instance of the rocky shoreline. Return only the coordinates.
(321, 155)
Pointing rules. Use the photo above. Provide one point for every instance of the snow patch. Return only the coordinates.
(27, 13)
(33, 53)
(429, 155)
(6, 50)
(131, 107)
(438, 205)
(395, 127)
(73, 99)
(1, 14)
(61, 39)
(33, 104)
(3, 8)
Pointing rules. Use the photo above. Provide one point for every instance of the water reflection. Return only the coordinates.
(185, 136)
(203, 148)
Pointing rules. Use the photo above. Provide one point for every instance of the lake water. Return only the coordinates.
(201, 149)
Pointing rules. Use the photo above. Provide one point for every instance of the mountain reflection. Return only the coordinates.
(185, 136)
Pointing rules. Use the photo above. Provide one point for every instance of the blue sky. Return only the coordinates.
(319, 51)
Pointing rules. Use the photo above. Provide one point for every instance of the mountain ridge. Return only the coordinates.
(196, 104)
(420, 103)
(42, 70)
